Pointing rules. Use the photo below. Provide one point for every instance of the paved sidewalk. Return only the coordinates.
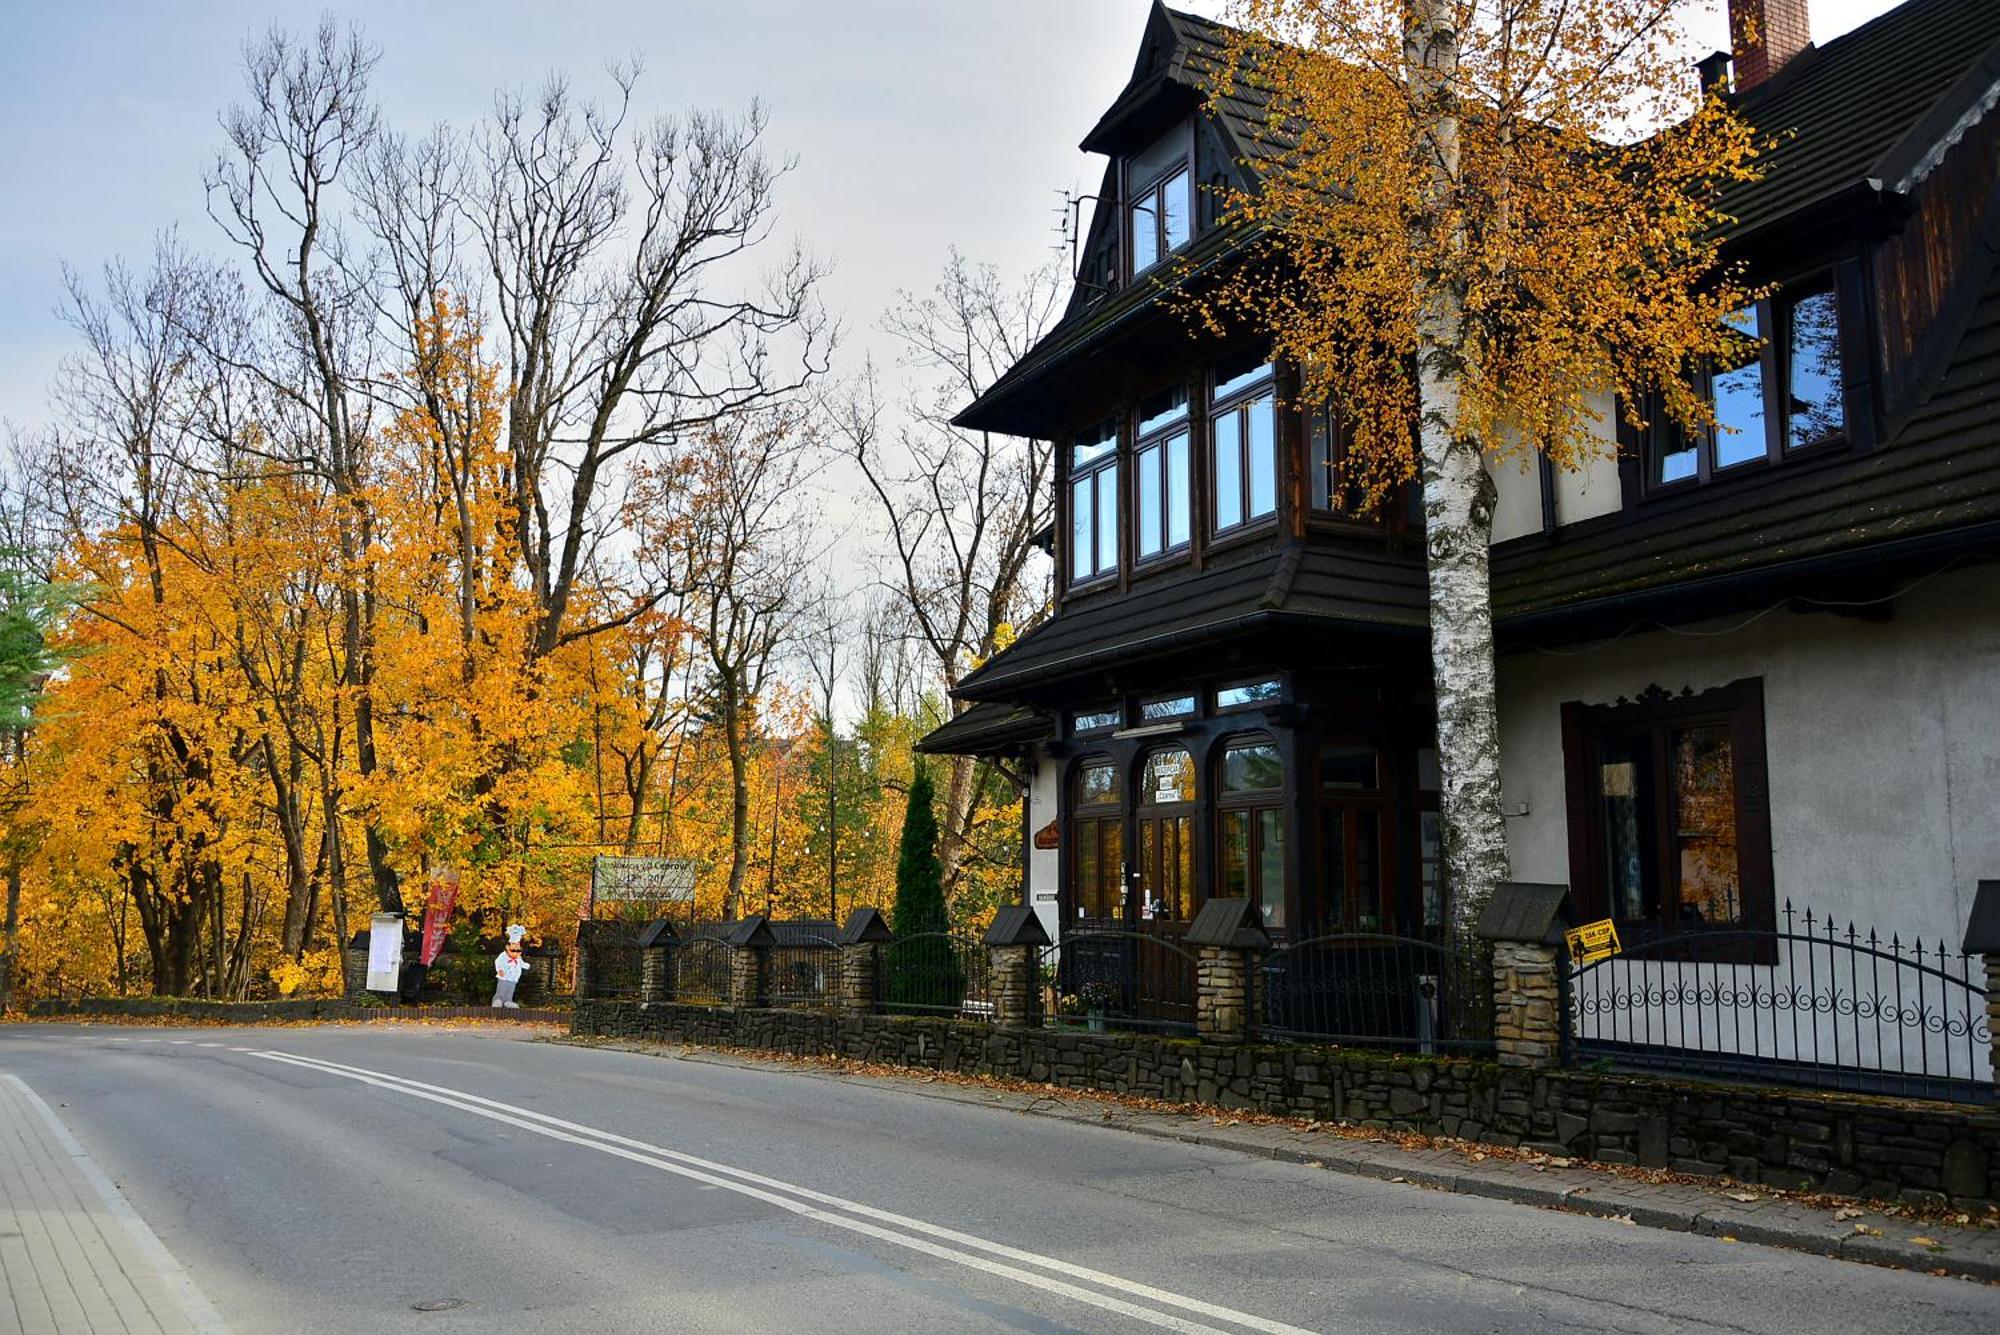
(74, 1255)
(1732, 1213)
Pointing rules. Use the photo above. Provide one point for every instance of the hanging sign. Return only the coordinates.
(385, 952)
(437, 913)
(1592, 942)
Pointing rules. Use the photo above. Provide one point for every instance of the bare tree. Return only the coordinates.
(963, 509)
(609, 287)
(738, 538)
(295, 144)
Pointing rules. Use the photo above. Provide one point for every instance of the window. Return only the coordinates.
(1781, 393)
(1093, 502)
(1243, 433)
(1353, 839)
(1097, 866)
(1174, 706)
(1244, 694)
(1329, 442)
(1159, 195)
(1251, 829)
(1160, 469)
(1670, 820)
(1095, 720)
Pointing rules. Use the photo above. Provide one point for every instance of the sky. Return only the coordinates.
(918, 125)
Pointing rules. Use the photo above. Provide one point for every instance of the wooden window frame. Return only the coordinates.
(1110, 462)
(1081, 820)
(1237, 403)
(1134, 193)
(1739, 706)
(1774, 316)
(1160, 438)
(1226, 804)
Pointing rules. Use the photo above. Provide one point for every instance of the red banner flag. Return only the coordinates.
(437, 914)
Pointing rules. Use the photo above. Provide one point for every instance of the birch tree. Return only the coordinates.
(1472, 219)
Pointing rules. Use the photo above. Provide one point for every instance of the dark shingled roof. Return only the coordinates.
(1857, 110)
(1939, 472)
(1323, 585)
(1863, 112)
(986, 728)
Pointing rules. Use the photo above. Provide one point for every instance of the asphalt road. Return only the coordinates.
(335, 1179)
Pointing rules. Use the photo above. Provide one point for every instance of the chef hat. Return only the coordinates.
(515, 933)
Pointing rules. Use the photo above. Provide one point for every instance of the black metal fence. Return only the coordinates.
(1368, 989)
(1810, 1003)
(614, 958)
(700, 963)
(1124, 980)
(936, 973)
(805, 972)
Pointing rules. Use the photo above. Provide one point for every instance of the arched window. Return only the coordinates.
(1166, 836)
(1097, 838)
(1250, 817)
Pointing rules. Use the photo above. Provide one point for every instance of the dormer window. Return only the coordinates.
(1159, 200)
(1781, 395)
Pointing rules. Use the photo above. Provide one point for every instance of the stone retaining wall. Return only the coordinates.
(1881, 1148)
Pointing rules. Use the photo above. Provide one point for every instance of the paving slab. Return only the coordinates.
(74, 1255)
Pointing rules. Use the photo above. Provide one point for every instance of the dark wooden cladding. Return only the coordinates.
(1929, 266)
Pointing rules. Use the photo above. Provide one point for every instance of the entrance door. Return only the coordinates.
(1164, 818)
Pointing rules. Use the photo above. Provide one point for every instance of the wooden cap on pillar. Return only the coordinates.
(1526, 911)
(750, 931)
(1233, 924)
(1017, 925)
(1982, 929)
(658, 932)
(864, 927)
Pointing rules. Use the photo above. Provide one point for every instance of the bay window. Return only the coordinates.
(1161, 509)
(1093, 502)
(1243, 437)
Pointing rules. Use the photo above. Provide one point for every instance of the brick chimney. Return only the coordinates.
(1765, 34)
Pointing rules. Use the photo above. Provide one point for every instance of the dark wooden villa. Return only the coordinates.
(1735, 672)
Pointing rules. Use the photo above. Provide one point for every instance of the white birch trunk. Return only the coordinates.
(1458, 513)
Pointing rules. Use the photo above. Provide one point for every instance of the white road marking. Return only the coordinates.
(761, 1187)
(208, 1045)
(180, 1042)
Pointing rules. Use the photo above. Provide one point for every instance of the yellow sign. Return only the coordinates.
(1592, 942)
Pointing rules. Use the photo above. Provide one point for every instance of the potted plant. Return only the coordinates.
(1094, 998)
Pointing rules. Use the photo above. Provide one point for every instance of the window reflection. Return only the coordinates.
(1813, 411)
(1739, 400)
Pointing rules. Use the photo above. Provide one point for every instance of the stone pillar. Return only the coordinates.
(1229, 939)
(656, 962)
(581, 975)
(749, 941)
(1982, 937)
(861, 942)
(1014, 943)
(354, 968)
(1525, 923)
(1527, 1004)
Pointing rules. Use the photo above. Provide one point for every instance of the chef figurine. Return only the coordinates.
(508, 966)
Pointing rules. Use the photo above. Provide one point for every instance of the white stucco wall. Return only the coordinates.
(1584, 492)
(1883, 740)
(1043, 864)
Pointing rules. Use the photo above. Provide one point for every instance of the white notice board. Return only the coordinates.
(385, 951)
